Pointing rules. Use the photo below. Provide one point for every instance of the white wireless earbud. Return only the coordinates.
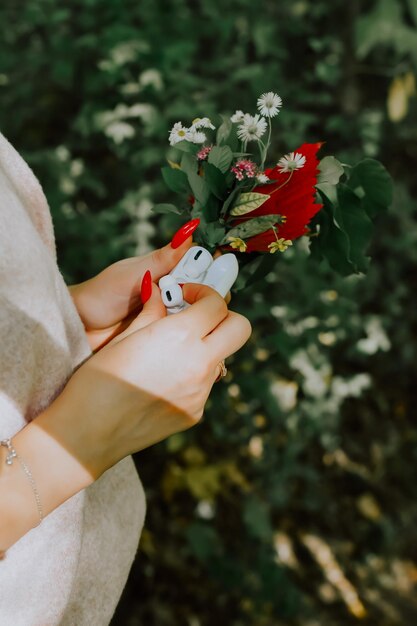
(193, 265)
(222, 273)
(171, 294)
(197, 266)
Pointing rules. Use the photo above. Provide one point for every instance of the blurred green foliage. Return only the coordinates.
(294, 501)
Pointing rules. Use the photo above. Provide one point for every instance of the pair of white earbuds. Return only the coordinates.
(197, 266)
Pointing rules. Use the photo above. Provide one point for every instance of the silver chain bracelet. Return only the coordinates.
(11, 454)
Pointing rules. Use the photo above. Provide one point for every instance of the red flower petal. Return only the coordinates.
(295, 200)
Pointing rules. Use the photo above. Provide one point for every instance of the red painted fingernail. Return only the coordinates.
(146, 287)
(184, 232)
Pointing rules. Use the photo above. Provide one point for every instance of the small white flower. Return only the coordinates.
(202, 122)
(205, 509)
(179, 133)
(269, 104)
(262, 178)
(237, 117)
(291, 162)
(197, 136)
(252, 128)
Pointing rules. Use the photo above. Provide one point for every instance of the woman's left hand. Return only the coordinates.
(108, 302)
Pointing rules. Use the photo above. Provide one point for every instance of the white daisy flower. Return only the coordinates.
(179, 133)
(291, 162)
(237, 117)
(252, 128)
(269, 104)
(262, 178)
(197, 136)
(202, 122)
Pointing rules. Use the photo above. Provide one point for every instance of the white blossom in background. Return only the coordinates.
(376, 338)
(143, 230)
(237, 117)
(285, 393)
(179, 133)
(291, 162)
(205, 509)
(202, 122)
(269, 104)
(151, 77)
(252, 128)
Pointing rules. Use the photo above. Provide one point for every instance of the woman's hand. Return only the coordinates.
(108, 302)
(149, 382)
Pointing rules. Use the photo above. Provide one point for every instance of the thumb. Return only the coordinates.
(152, 310)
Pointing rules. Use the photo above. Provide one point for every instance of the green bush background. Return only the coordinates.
(294, 501)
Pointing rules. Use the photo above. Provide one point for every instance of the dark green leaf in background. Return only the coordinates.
(215, 180)
(166, 208)
(370, 180)
(175, 179)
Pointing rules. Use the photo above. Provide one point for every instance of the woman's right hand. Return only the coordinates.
(150, 381)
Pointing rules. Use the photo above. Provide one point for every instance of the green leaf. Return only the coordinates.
(328, 190)
(252, 227)
(257, 517)
(221, 157)
(187, 146)
(199, 188)
(332, 243)
(350, 217)
(223, 131)
(345, 233)
(383, 25)
(229, 201)
(175, 179)
(215, 180)
(370, 180)
(214, 234)
(203, 541)
(189, 163)
(211, 208)
(248, 202)
(330, 170)
(166, 208)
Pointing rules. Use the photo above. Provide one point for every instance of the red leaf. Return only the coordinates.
(295, 199)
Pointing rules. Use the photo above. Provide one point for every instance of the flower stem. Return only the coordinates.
(268, 143)
(261, 152)
(283, 184)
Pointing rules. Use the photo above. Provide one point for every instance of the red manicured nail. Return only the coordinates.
(146, 287)
(184, 232)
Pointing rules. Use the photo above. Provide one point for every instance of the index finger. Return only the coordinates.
(208, 309)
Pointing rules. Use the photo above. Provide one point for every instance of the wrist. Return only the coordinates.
(56, 475)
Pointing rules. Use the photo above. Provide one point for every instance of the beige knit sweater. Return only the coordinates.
(72, 568)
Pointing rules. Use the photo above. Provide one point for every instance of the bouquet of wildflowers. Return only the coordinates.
(257, 210)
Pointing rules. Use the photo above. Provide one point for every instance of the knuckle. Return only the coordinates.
(194, 413)
(158, 256)
(223, 308)
(244, 325)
